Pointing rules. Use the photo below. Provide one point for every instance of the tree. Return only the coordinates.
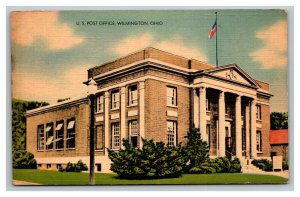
(63, 99)
(197, 153)
(196, 150)
(21, 157)
(154, 160)
(279, 120)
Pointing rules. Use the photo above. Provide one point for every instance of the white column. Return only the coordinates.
(247, 120)
(196, 107)
(222, 125)
(202, 109)
(106, 121)
(123, 115)
(142, 111)
(238, 127)
(253, 129)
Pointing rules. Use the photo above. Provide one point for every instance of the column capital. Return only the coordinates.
(202, 89)
(196, 90)
(221, 95)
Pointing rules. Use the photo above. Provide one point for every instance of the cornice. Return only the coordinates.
(56, 106)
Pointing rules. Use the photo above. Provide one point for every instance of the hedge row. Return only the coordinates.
(156, 160)
(267, 165)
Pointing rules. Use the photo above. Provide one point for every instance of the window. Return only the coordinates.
(100, 103)
(59, 135)
(39, 166)
(49, 136)
(58, 166)
(71, 133)
(171, 133)
(48, 166)
(258, 141)
(98, 167)
(40, 137)
(115, 130)
(133, 132)
(115, 99)
(171, 96)
(258, 112)
(132, 95)
(99, 137)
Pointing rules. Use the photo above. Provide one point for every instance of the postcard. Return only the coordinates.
(149, 97)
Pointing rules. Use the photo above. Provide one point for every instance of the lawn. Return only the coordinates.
(46, 177)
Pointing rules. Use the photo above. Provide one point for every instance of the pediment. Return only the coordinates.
(232, 73)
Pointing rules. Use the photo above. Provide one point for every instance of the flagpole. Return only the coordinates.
(216, 38)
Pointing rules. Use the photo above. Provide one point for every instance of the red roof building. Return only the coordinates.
(279, 137)
(279, 142)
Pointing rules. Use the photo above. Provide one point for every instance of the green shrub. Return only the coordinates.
(223, 163)
(80, 166)
(267, 165)
(70, 167)
(205, 168)
(196, 151)
(263, 164)
(61, 169)
(285, 165)
(236, 166)
(154, 160)
(23, 159)
(218, 165)
(197, 154)
(20, 157)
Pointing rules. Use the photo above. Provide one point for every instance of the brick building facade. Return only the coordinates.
(156, 95)
(279, 142)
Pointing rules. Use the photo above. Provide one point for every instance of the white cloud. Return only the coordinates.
(173, 45)
(274, 51)
(36, 86)
(27, 27)
(132, 44)
(180, 48)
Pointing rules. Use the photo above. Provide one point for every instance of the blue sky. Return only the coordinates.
(51, 53)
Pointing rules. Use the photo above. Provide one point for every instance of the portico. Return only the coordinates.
(225, 111)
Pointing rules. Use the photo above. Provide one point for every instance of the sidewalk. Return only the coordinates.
(17, 182)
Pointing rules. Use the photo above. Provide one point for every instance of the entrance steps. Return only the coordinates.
(247, 167)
